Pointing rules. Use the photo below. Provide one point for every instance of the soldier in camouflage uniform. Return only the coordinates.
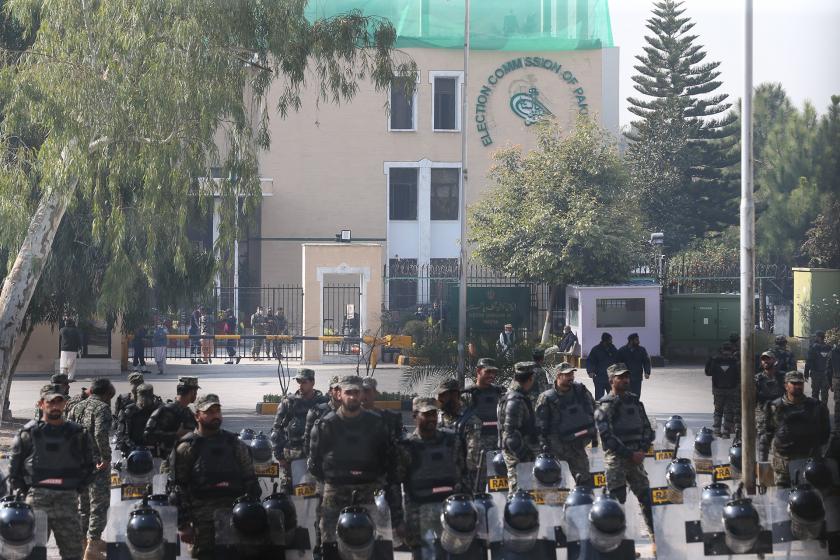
(725, 370)
(467, 428)
(481, 400)
(566, 422)
(290, 424)
(171, 421)
(211, 467)
(798, 425)
(542, 380)
(52, 467)
(351, 451)
(94, 414)
(625, 435)
(769, 386)
(62, 381)
(74, 400)
(392, 418)
(816, 368)
(431, 468)
(784, 357)
(131, 424)
(518, 435)
(123, 400)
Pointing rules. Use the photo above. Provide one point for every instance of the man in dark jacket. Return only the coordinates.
(725, 371)
(602, 356)
(69, 344)
(816, 368)
(636, 358)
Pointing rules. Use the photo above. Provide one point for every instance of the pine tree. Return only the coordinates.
(682, 145)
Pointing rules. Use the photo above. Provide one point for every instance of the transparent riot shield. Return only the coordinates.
(249, 543)
(583, 542)
(133, 488)
(116, 534)
(382, 547)
(26, 542)
(267, 475)
(549, 499)
(442, 537)
(306, 496)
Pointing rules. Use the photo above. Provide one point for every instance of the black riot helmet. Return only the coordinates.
(675, 428)
(714, 490)
(249, 517)
(712, 501)
(158, 500)
(818, 473)
(521, 522)
(144, 532)
(703, 442)
(781, 340)
(279, 501)
(498, 463)
(680, 474)
(261, 448)
(581, 495)
(547, 469)
(736, 456)
(607, 523)
(459, 522)
(247, 434)
(741, 525)
(139, 462)
(807, 512)
(17, 522)
(356, 533)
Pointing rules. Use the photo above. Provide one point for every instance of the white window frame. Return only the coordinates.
(414, 101)
(459, 74)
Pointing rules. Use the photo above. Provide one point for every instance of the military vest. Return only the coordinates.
(216, 470)
(795, 425)
(135, 419)
(821, 354)
(529, 427)
(485, 405)
(56, 460)
(432, 476)
(627, 422)
(767, 389)
(354, 453)
(570, 416)
(298, 409)
(725, 374)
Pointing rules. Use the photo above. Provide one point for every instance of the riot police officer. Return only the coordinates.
(518, 439)
(131, 424)
(784, 357)
(625, 436)
(392, 418)
(769, 386)
(431, 469)
(62, 381)
(542, 383)
(51, 460)
(320, 410)
(566, 421)
(467, 428)
(135, 379)
(816, 367)
(171, 421)
(725, 370)
(211, 467)
(290, 422)
(351, 452)
(481, 399)
(798, 425)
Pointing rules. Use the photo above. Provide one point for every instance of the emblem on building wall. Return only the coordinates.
(527, 106)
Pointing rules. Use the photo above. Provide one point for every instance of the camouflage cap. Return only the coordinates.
(447, 385)
(135, 378)
(486, 363)
(191, 382)
(51, 391)
(60, 379)
(423, 404)
(524, 367)
(205, 402)
(145, 388)
(305, 374)
(369, 383)
(768, 354)
(794, 377)
(349, 382)
(564, 368)
(617, 369)
(334, 381)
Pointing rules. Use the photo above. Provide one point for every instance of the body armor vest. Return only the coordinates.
(353, 455)
(216, 471)
(296, 427)
(567, 418)
(795, 433)
(529, 428)
(135, 419)
(725, 374)
(485, 405)
(821, 354)
(432, 477)
(627, 422)
(56, 460)
(767, 389)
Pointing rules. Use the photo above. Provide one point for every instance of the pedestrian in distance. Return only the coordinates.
(602, 356)
(207, 329)
(195, 336)
(725, 370)
(69, 345)
(635, 357)
(159, 344)
(138, 345)
(231, 328)
(504, 346)
(816, 368)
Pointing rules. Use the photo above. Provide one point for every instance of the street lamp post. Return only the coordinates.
(462, 281)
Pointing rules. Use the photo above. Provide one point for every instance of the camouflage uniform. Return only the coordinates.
(60, 504)
(816, 367)
(468, 429)
(94, 414)
(417, 517)
(74, 400)
(785, 360)
(541, 384)
(624, 428)
(471, 400)
(725, 371)
(566, 425)
(131, 426)
(287, 436)
(518, 437)
(258, 327)
(767, 389)
(162, 429)
(198, 499)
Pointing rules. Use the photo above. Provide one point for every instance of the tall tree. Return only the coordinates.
(133, 97)
(681, 146)
(560, 213)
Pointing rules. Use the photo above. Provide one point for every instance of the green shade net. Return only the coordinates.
(499, 25)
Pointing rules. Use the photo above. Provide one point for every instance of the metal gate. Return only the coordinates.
(341, 304)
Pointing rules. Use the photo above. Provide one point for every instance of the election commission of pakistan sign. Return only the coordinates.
(489, 308)
(525, 105)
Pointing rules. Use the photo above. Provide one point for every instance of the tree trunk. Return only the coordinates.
(547, 324)
(17, 353)
(22, 279)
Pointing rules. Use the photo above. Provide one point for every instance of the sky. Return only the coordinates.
(795, 42)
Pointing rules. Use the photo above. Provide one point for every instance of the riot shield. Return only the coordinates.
(116, 534)
(582, 543)
(442, 538)
(23, 531)
(249, 541)
(382, 547)
(306, 497)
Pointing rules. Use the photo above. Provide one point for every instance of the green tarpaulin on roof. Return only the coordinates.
(503, 25)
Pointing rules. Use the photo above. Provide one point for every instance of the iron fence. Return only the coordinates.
(341, 304)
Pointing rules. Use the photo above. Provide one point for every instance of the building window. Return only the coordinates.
(444, 193)
(402, 193)
(402, 283)
(628, 312)
(446, 109)
(402, 105)
(574, 305)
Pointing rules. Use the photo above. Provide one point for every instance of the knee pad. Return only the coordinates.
(619, 493)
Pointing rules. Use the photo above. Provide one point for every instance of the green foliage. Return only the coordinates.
(272, 397)
(823, 314)
(822, 243)
(417, 330)
(558, 214)
(681, 150)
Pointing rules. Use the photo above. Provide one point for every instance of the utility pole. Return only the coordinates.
(748, 428)
(462, 281)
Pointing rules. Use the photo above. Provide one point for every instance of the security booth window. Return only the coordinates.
(573, 311)
(402, 193)
(628, 312)
(446, 103)
(444, 193)
(402, 105)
